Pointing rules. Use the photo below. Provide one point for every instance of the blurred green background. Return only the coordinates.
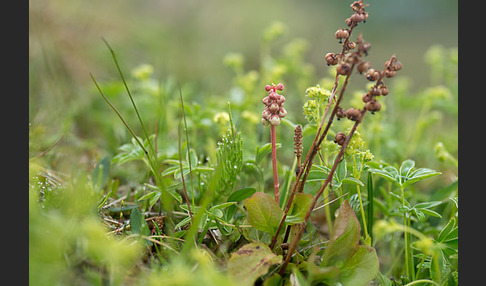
(219, 51)
(188, 40)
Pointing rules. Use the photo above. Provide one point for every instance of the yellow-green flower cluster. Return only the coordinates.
(317, 93)
(357, 146)
(311, 110)
(317, 96)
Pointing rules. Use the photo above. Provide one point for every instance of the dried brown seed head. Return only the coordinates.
(384, 90)
(340, 112)
(367, 97)
(332, 59)
(390, 73)
(353, 114)
(351, 45)
(373, 106)
(375, 91)
(363, 66)
(357, 17)
(372, 74)
(341, 34)
(343, 69)
(340, 138)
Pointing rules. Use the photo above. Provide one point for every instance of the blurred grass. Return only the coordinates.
(187, 42)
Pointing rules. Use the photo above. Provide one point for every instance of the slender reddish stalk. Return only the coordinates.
(303, 226)
(304, 171)
(274, 162)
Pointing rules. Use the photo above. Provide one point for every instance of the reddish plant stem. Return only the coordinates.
(299, 185)
(274, 162)
(303, 226)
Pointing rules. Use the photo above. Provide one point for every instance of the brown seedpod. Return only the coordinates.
(341, 34)
(390, 73)
(364, 48)
(332, 59)
(351, 45)
(340, 113)
(349, 22)
(363, 66)
(373, 106)
(353, 114)
(343, 69)
(384, 90)
(372, 74)
(366, 97)
(375, 91)
(357, 17)
(340, 138)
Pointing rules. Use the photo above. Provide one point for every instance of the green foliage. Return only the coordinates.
(250, 262)
(263, 212)
(95, 224)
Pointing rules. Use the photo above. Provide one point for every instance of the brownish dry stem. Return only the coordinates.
(303, 226)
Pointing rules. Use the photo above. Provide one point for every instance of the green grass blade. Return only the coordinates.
(370, 206)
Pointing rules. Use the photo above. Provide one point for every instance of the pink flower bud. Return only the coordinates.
(282, 112)
(274, 107)
(274, 120)
(280, 86)
(281, 100)
(266, 113)
(265, 122)
(268, 87)
(272, 95)
(266, 100)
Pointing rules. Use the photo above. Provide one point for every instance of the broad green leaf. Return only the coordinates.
(222, 206)
(171, 190)
(100, 172)
(297, 278)
(420, 215)
(251, 168)
(418, 175)
(385, 174)
(149, 196)
(351, 180)
(177, 173)
(263, 212)
(345, 237)
(427, 205)
(406, 167)
(250, 262)
(393, 172)
(193, 158)
(263, 151)
(203, 169)
(320, 173)
(183, 222)
(322, 274)
(447, 230)
(274, 280)
(241, 194)
(429, 212)
(341, 170)
(361, 268)
(138, 223)
(299, 207)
